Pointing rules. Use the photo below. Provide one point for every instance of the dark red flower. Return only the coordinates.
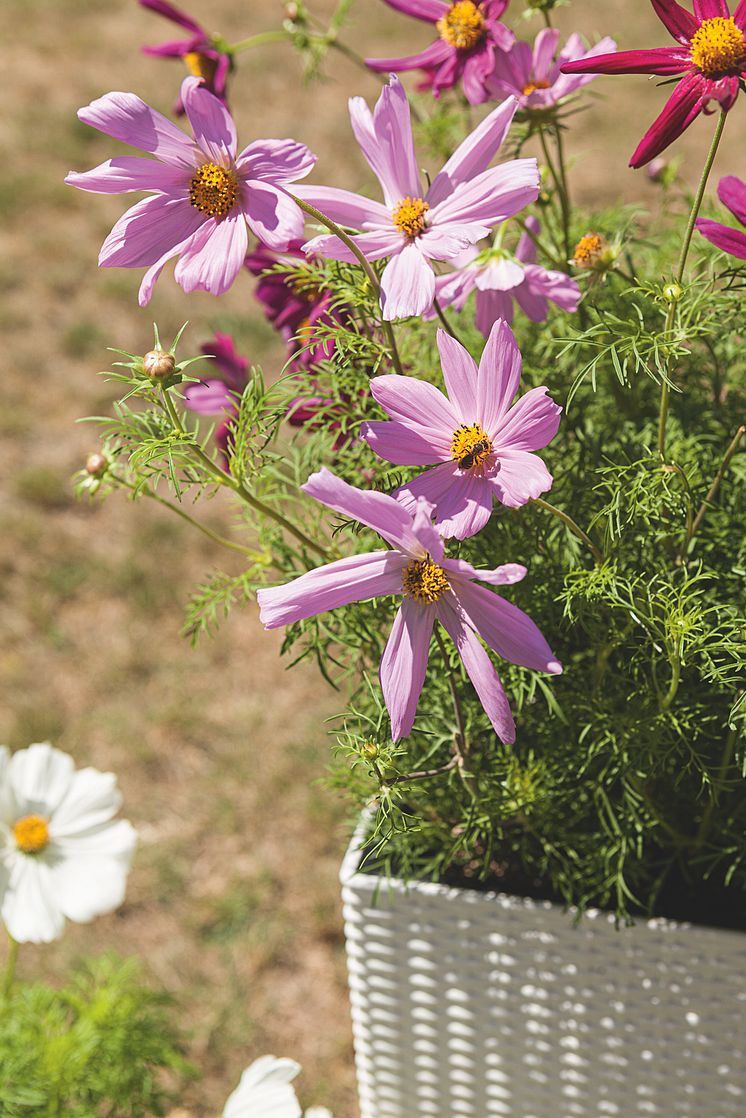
(201, 56)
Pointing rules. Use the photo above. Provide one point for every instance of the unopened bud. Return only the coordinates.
(96, 465)
(292, 11)
(158, 364)
(672, 292)
(369, 750)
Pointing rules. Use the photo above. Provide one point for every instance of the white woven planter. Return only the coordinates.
(483, 1004)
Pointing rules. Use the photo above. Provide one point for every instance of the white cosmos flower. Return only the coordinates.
(62, 854)
(266, 1091)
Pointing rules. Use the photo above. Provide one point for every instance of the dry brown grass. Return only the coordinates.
(233, 899)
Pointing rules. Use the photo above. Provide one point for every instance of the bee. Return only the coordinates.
(468, 460)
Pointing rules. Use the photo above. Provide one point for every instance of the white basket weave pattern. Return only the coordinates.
(479, 1005)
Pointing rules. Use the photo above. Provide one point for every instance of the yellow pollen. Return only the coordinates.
(463, 26)
(409, 216)
(470, 446)
(31, 834)
(718, 47)
(589, 250)
(424, 581)
(533, 86)
(213, 190)
(200, 66)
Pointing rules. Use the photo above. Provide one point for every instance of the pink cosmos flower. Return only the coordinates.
(199, 53)
(710, 54)
(203, 192)
(414, 226)
(499, 278)
(432, 588)
(470, 38)
(732, 193)
(481, 447)
(535, 77)
(218, 397)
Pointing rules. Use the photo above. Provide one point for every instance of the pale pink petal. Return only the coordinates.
(211, 122)
(434, 55)
(532, 301)
(147, 230)
(151, 276)
(406, 446)
(506, 629)
(130, 172)
(386, 141)
(492, 306)
(475, 154)
(349, 210)
(732, 193)
(407, 285)
(463, 501)
(448, 242)
(404, 662)
(213, 258)
(210, 397)
(479, 668)
(415, 402)
(504, 575)
(499, 376)
(125, 117)
(545, 46)
(355, 578)
(271, 214)
(374, 246)
(425, 530)
(492, 197)
(500, 275)
(378, 511)
(527, 248)
(521, 477)
(530, 424)
(428, 10)
(542, 283)
(460, 375)
(277, 161)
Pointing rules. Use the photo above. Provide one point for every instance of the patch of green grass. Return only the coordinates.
(44, 487)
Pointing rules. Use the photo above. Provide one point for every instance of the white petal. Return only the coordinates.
(29, 911)
(265, 1091)
(318, 1112)
(40, 777)
(91, 798)
(87, 885)
(8, 812)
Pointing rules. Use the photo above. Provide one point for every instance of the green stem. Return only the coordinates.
(560, 191)
(537, 240)
(445, 323)
(564, 193)
(696, 206)
(238, 488)
(712, 491)
(260, 40)
(364, 263)
(574, 528)
(725, 763)
(674, 686)
(10, 966)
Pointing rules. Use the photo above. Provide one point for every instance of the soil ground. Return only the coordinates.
(233, 901)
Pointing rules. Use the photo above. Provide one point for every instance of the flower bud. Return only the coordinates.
(369, 750)
(292, 11)
(672, 292)
(96, 465)
(158, 364)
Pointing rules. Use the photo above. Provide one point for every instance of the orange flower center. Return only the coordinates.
(213, 190)
(424, 581)
(200, 66)
(409, 216)
(31, 834)
(533, 86)
(463, 26)
(589, 250)
(718, 47)
(470, 446)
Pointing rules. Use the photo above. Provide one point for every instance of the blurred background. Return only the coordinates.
(233, 901)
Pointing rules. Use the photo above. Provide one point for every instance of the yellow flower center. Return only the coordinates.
(470, 445)
(213, 190)
(31, 834)
(424, 581)
(463, 26)
(409, 216)
(718, 47)
(200, 66)
(533, 86)
(589, 250)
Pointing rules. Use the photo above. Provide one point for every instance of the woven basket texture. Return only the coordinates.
(479, 1005)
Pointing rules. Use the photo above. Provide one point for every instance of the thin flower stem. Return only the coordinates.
(260, 40)
(422, 774)
(670, 695)
(564, 192)
(683, 255)
(561, 192)
(238, 488)
(725, 763)
(146, 491)
(537, 240)
(712, 491)
(574, 528)
(364, 263)
(445, 323)
(10, 966)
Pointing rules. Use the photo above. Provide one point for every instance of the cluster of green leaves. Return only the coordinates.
(104, 1044)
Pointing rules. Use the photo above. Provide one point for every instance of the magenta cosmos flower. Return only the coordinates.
(710, 54)
(203, 192)
(500, 278)
(534, 75)
(432, 588)
(199, 52)
(481, 447)
(732, 193)
(470, 37)
(414, 226)
(218, 396)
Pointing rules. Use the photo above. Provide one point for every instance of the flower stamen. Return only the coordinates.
(463, 26)
(213, 190)
(424, 581)
(31, 834)
(718, 47)
(471, 446)
(409, 216)
(533, 86)
(589, 251)
(201, 66)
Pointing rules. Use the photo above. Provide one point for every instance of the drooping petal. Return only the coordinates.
(491, 306)
(385, 137)
(407, 284)
(377, 510)
(499, 376)
(460, 374)
(659, 60)
(163, 8)
(265, 1089)
(40, 777)
(542, 284)
(150, 228)
(374, 245)
(479, 668)
(210, 121)
(213, 258)
(433, 55)
(522, 477)
(449, 242)
(732, 193)
(125, 117)
(500, 275)
(210, 397)
(415, 402)
(356, 578)
(475, 153)
(353, 211)
(495, 195)
(728, 240)
(404, 663)
(507, 629)
(428, 10)
(404, 445)
(683, 106)
(277, 161)
(91, 798)
(148, 281)
(28, 908)
(530, 424)
(271, 214)
(545, 46)
(130, 172)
